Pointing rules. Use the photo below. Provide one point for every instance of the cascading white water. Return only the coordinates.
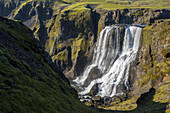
(112, 59)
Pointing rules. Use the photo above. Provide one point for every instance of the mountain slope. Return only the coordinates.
(29, 82)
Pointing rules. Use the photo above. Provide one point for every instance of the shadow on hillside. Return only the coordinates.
(145, 104)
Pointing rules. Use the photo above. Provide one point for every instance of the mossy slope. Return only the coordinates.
(72, 32)
(155, 48)
(29, 82)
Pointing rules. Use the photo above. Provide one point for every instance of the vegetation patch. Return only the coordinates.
(27, 79)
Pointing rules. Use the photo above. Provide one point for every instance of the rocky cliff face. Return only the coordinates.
(69, 36)
(76, 50)
(153, 59)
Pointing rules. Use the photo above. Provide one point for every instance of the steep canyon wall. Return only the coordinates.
(70, 35)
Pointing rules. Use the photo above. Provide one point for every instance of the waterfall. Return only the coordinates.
(111, 60)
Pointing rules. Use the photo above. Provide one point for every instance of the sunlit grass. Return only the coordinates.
(117, 4)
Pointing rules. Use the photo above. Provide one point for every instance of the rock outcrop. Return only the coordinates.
(69, 36)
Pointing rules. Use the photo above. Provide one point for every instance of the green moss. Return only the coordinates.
(21, 6)
(75, 7)
(80, 15)
(36, 32)
(29, 83)
(117, 4)
(88, 104)
(154, 39)
(62, 55)
(80, 19)
(54, 33)
(60, 45)
(129, 104)
(77, 45)
(144, 80)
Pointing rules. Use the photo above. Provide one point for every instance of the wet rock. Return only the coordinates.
(107, 101)
(97, 101)
(94, 90)
(116, 100)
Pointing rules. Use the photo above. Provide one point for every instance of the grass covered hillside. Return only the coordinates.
(29, 82)
(121, 4)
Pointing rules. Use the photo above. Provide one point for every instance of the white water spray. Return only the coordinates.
(112, 59)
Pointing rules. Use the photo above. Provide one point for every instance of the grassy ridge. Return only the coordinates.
(120, 4)
(104, 4)
(28, 83)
